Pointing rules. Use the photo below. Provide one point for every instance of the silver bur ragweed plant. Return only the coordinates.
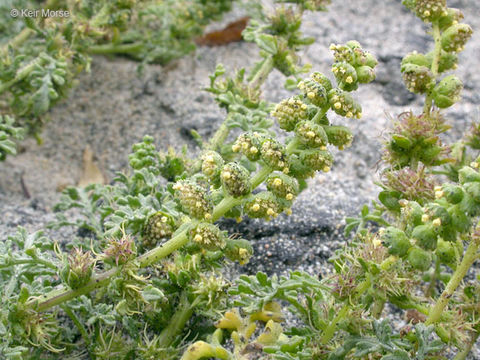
(148, 282)
(40, 56)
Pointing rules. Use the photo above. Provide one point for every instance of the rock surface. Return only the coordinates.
(112, 108)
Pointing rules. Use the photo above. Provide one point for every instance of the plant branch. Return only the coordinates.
(437, 37)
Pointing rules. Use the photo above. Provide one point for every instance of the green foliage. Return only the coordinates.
(8, 133)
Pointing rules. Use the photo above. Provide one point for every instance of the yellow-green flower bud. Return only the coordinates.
(346, 76)
(212, 164)
(263, 205)
(425, 236)
(290, 112)
(468, 174)
(322, 80)
(273, 153)
(317, 159)
(158, 227)
(249, 144)
(314, 92)
(193, 199)
(430, 10)
(460, 221)
(311, 134)
(419, 259)
(446, 252)
(453, 16)
(365, 74)
(208, 236)
(473, 189)
(455, 37)
(417, 78)
(235, 179)
(238, 250)
(339, 136)
(396, 241)
(447, 92)
(342, 53)
(282, 186)
(453, 193)
(344, 104)
(447, 61)
(416, 58)
(78, 268)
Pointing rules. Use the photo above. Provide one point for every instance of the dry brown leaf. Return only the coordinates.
(91, 174)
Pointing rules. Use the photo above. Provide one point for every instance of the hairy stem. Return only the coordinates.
(107, 49)
(437, 37)
(468, 259)
(177, 322)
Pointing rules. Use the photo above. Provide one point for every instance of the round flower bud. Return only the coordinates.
(158, 227)
(192, 198)
(419, 259)
(426, 236)
(455, 37)
(460, 221)
(453, 16)
(416, 58)
(343, 104)
(321, 79)
(273, 153)
(453, 193)
(339, 136)
(365, 74)
(317, 159)
(263, 205)
(345, 75)
(78, 268)
(311, 134)
(447, 92)
(417, 78)
(396, 241)
(413, 213)
(235, 179)
(298, 169)
(282, 185)
(314, 92)
(467, 174)
(238, 250)
(249, 144)
(342, 53)
(290, 112)
(208, 236)
(430, 10)
(473, 189)
(447, 61)
(446, 252)
(212, 164)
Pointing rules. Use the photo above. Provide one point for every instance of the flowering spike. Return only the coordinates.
(208, 236)
(290, 112)
(193, 199)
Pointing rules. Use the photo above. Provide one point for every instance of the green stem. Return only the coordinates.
(433, 280)
(77, 323)
(107, 49)
(29, 261)
(468, 259)
(262, 74)
(177, 322)
(164, 250)
(18, 40)
(437, 51)
(59, 296)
